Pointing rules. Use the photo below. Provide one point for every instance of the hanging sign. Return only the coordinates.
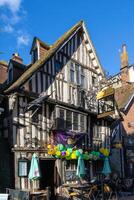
(106, 102)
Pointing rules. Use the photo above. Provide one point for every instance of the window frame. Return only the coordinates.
(72, 119)
(78, 72)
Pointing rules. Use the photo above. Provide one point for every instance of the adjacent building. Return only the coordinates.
(123, 83)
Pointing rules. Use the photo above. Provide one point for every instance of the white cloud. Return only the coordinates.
(13, 19)
(23, 40)
(8, 29)
(13, 5)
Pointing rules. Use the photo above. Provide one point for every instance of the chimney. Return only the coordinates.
(15, 67)
(16, 57)
(124, 66)
(124, 57)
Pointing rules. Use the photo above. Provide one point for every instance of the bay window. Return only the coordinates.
(70, 120)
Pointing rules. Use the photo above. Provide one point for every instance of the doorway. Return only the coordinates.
(47, 175)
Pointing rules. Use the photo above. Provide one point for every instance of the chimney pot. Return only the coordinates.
(17, 58)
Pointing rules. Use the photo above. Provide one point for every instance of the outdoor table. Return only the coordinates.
(4, 196)
(81, 187)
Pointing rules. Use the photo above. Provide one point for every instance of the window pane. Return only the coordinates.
(72, 75)
(60, 119)
(82, 80)
(82, 123)
(93, 80)
(75, 121)
(68, 120)
(57, 66)
(77, 74)
(72, 65)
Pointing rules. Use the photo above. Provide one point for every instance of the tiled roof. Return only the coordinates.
(3, 62)
(123, 95)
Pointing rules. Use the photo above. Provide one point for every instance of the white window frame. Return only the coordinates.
(73, 111)
(72, 67)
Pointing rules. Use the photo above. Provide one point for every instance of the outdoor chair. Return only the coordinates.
(109, 193)
(93, 191)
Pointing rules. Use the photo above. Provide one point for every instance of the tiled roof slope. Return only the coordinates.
(123, 95)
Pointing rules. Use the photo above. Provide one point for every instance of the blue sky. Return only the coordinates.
(110, 24)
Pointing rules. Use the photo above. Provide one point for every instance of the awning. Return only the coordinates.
(105, 92)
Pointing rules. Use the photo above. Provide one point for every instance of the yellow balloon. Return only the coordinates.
(101, 150)
(51, 152)
(56, 148)
(58, 153)
(106, 152)
(49, 146)
(67, 153)
(73, 156)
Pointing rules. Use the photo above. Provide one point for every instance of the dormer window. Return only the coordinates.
(34, 55)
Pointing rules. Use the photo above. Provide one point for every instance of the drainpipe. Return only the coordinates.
(122, 151)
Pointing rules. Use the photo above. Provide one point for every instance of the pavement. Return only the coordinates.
(127, 198)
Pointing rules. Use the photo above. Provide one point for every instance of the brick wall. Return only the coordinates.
(128, 120)
(122, 96)
(124, 75)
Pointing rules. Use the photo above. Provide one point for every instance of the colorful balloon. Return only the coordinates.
(63, 153)
(85, 156)
(58, 153)
(77, 153)
(49, 146)
(90, 156)
(60, 147)
(67, 153)
(81, 151)
(73, 156)
(69, 150)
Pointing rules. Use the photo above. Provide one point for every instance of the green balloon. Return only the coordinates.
(77, 153)
(61, 147)
(85, 156)
(68, 158)
(92, 153)
(97, 154)
(69, 150)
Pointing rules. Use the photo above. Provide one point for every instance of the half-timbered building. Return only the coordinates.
(55, 93)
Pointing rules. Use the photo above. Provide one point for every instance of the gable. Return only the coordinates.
(58, 46)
